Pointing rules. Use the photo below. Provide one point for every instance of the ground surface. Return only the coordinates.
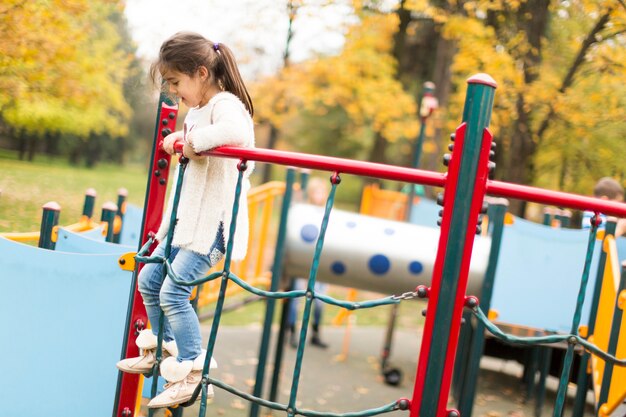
(333, 385)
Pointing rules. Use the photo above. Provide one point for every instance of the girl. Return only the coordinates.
(204, 76)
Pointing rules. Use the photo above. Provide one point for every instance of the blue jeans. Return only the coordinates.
(181, 322)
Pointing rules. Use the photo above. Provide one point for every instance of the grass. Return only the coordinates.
(26, 186)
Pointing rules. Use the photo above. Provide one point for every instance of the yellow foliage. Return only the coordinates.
(61, 68)
(361, 80)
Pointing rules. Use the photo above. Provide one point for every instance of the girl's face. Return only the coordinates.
(191, 90)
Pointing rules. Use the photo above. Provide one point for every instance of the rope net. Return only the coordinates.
(226, 276)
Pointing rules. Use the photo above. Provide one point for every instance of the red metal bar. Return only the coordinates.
(153, 209)
(555, 198)
(329, 163)
(396, 173)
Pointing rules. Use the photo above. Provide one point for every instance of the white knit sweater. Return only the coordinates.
(209, 184)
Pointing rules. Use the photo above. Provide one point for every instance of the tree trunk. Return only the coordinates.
(51, 143)
(76, 152)
(532, 19)
(33, 141)
(522, 150)
(271, 143)
(94, 150)
(22, 144)
(378, 150)
(442, 77)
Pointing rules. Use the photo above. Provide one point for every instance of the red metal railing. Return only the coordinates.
(390, 172)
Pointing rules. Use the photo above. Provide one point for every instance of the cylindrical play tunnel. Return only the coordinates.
(370, 253)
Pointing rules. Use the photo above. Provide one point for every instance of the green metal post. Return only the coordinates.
(49, 219)
(304, 180)
(90, 201)
(462, 200)
(108, 216)
(564, 217)
(547, 216)
(567, 361)
(277, 270)
(428, 104)
(583, 381)
(309, 297)
(545, 359)
(280, 344)
(496, 212)
(530, 371)
(462, 356)
(122, 194)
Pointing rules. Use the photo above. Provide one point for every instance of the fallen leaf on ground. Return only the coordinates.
(237, 404)
(362, 390)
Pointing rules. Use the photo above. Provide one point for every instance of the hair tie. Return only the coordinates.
(216, 47)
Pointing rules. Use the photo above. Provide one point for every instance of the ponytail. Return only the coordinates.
(228, 74)
(186, 51)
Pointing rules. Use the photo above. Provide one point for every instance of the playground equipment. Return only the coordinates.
(609, 333)
(69, 328)
(465, 187)
(110, 224)
(527, 255)
(370, 253)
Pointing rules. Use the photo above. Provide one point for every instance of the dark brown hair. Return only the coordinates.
(186, 52)
(609, 188)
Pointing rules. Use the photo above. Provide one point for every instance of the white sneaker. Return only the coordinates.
(147, 343)
(182, 379)
(180, 392)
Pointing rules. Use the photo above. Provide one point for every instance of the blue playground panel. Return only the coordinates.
(538, 276)
(621, 248)
(95, 234)
(64, 326)
(80, 243)
(425, 213)
(131, 226)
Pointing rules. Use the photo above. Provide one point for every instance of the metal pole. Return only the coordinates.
(582, 382)
(496, 212)
(462, 201)
(428, 103)
(122, 195)
(49, 219)
(90, 201)
(136, 317)
(277, 270)
(108, 216)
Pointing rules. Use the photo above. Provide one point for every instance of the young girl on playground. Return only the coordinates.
(204, 76)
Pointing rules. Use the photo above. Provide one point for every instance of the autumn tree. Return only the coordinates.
(62, 69)
(559, 104)
(357, 88)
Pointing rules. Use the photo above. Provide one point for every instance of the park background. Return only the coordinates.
(342, 78)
